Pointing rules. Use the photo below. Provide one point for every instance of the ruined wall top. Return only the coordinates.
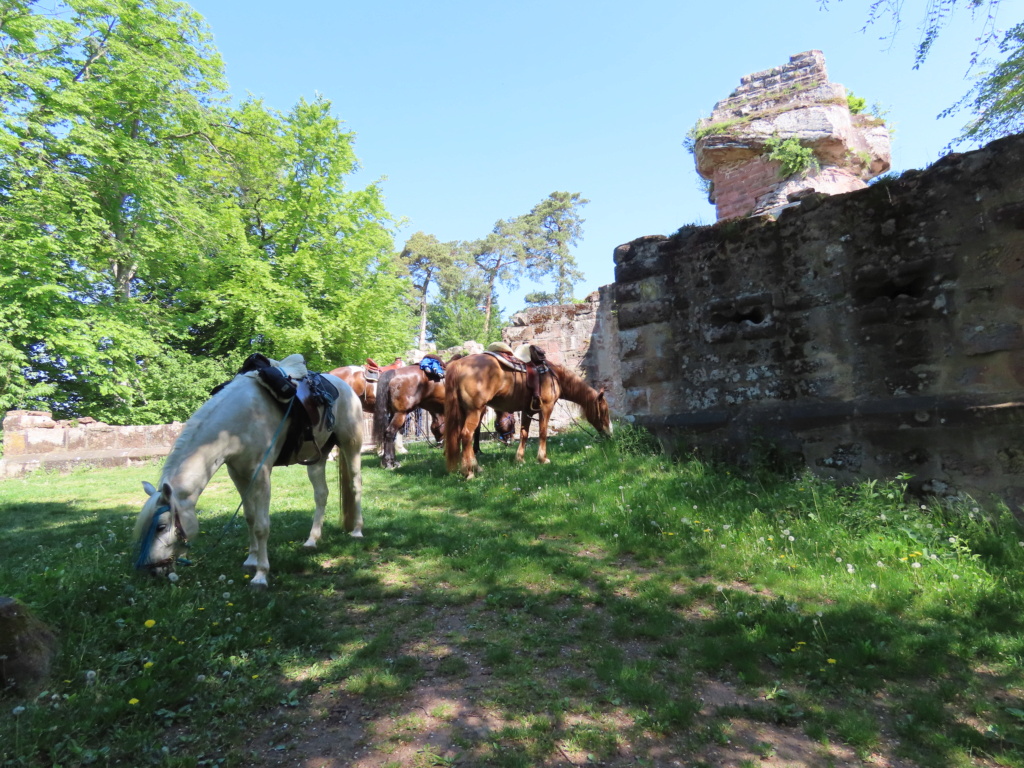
(793, 101)
(803, 80)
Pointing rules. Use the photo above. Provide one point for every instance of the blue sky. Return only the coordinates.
(474, 111)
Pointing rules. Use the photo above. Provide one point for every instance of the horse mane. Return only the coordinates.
(576, 390)
(186, 437)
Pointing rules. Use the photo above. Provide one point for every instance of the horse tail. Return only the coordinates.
(454, 417)
(382, 407)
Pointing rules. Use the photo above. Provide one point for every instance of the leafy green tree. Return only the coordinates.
(105, 111)
(457, 318)
(535, 244)
(997, 96)
(430, 262)
(319, 274)
(143, 222)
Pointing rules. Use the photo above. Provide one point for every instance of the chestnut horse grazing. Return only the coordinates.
(476, 381)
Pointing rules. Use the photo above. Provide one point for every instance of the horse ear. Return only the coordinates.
(600, 394)
(148, 488)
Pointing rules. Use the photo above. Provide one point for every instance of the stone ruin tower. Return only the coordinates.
(794, 101)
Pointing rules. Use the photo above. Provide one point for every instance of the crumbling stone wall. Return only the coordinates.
(868, 334)
(572, 335)
(33, 440)
(792, 101)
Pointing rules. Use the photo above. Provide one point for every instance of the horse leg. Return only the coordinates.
(544, 417)
(350, 482)
(469, 464)
(524, 433)
(256, 504)
(317, 477)
(387, 460)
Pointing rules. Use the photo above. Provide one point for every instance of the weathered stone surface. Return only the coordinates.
(793, 101)
(27, 649)
(873, 333)
(33, 440)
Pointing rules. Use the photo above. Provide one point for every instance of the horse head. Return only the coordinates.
(163, 530)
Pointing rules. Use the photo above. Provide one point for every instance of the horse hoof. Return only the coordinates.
(310, 545)
(356, 534)
(258, 586)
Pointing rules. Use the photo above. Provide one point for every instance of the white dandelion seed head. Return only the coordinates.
(785, 532)
(90, 676)
(222, 577)
(200, 678)
(872, 585)
(172, 577)
(956, 575)
(78, 545)
(726, 527)
(915, 565)
(226, 595)
(17, 711)
(792, 538)
(839, 559)
(850, 568)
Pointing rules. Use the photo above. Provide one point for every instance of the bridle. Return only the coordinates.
(147, 541)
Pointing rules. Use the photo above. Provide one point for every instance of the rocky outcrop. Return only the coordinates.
(793, 101)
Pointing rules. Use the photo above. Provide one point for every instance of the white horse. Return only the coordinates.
(235, 427)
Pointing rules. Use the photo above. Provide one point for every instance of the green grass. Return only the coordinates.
(584, 604)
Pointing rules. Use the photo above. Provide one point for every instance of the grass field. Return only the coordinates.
(610, 608)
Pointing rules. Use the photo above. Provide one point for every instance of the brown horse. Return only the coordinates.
(355, 377)
(399, 392)
(476, 381)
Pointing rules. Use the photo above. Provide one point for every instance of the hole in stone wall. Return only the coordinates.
(756, 316)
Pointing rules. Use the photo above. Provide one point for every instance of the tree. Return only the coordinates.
(455, 318)
(998, 93)
(318, 274)
(535, 244)
(143, 222)
(104, 114)
(429, 263)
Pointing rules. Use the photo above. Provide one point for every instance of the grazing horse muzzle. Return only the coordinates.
(163, 565)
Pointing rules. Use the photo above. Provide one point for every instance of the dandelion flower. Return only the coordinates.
(792, 538)
(17, 711)
(915, 565)
(839, 559)
(147, 665)
(172, 577)
(872, 585)
(149, 623)
(831, 661)
(133, 702)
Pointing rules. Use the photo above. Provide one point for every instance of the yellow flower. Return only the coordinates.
(255, 676)
(831, 661)
(133, 702)
(147, 665)
(149, 623)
